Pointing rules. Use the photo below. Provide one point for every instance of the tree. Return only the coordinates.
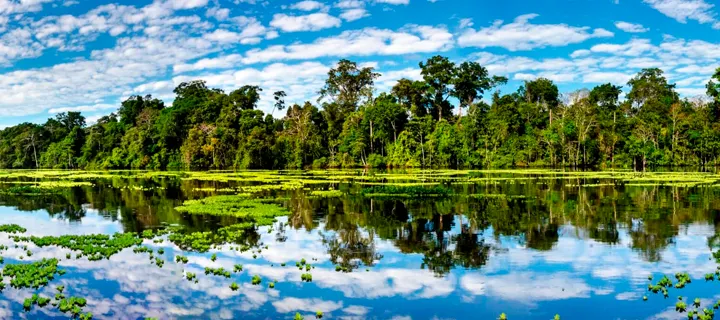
(348, 85)
(471, 81)
(279, 97)
(439, 73)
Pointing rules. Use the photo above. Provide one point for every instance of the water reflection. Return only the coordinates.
(528, 249)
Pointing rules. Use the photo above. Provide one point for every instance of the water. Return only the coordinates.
(528, 248)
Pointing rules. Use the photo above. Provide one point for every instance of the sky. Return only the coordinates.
(66, 55)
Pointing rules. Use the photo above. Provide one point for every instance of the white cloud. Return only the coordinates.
(523, 35)
(630, 27)
(311, 22)
(635, 47)
(684, 10)
(604, 77)
(308, 5)
(88, 108)
(354, 14)
(395, 2)
(223, 62)
(349, 4)
(368, 41)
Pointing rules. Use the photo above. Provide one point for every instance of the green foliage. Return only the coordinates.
(12, 228)
(32, 275)
(406, 191)
(412, 125)
(238, 206)
(94, 246)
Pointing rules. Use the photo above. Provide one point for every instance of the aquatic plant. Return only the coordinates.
(190, 276)
(238, 268)
(234, 286)
(556, 317)
(645, 298)
(696, 302)
(181, 259)
(32, 275)
(213, 258)
(503, 316)
(298, 316)
(256, 280)
(271, 285)
(252, 210)
(217, 272)
(306, 277)
(95, 246)
(319, 314)
(12, 228)
(161, 251)
(203, 241)
(680, 306)
(390, 191)
(709, 277)
(327, 193)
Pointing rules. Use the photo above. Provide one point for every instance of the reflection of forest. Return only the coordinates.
(449, 233)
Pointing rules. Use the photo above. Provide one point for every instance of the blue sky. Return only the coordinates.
(65, 55)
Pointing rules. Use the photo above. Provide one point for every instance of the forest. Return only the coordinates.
(455, 117)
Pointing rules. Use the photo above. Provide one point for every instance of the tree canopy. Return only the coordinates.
(417, 123)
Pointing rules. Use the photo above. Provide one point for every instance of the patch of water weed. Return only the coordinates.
(260, 211)
(12, 228)
(390, 191)
(94, 246)
(32, 275)
(327, 193)
(204, 241)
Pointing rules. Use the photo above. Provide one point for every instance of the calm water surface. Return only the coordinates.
(529, 248)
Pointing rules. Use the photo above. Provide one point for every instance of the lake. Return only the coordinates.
(422, 244)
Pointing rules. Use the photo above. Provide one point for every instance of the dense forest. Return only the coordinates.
(442, 120)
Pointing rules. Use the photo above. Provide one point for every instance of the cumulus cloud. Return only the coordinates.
(521, 34)
(310, 22)
(630, 27)
(684, 10)
(364, 42)
(308, 5)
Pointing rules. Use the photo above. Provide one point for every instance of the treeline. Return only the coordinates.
(440, 121)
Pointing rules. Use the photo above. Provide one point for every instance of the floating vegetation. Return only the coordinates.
(256, 280)
(35, 300)
(94, 246)
(258, 211)
(271, 285)
(306, 277)
(389, 191)
(181, 259)
(12, 228)
(203, 241)
(319, 315)
(32, 275)
(190, 276)
(234, 286)
(327, 193)
(298, 316)
(238, 268)
(217, 272)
